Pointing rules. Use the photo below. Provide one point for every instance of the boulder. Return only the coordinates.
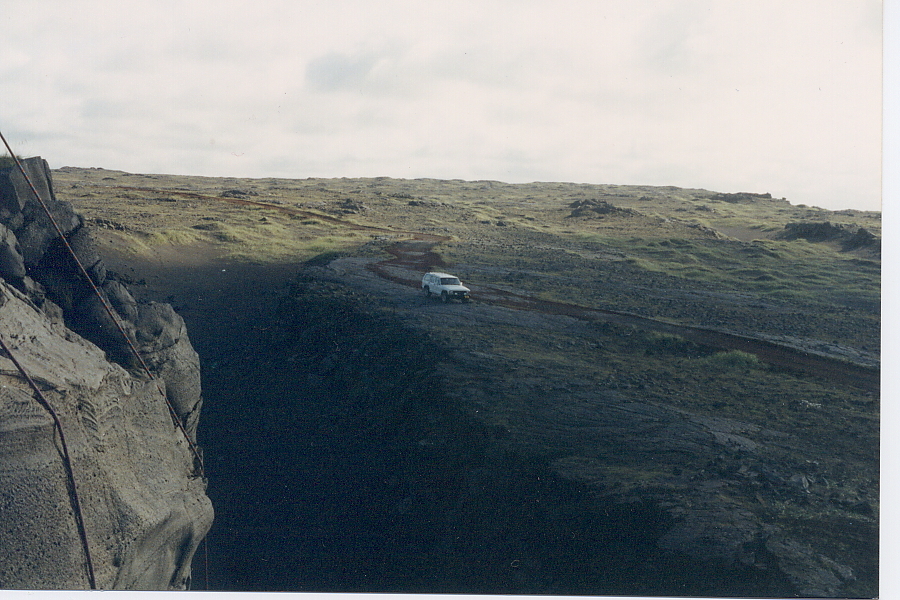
(163, 342)
(83, 245)
(598, 208)
(850, 237)
(12, 264)
(89, 318)
(742, 197)
(21, 212)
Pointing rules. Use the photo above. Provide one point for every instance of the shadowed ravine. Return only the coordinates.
(332, 470)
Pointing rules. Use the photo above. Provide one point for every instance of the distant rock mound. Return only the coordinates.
(145, 513)
(598, 209)
(235, 193)
(849, 237)
(741, 197)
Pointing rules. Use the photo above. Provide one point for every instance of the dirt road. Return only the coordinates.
(413, 257)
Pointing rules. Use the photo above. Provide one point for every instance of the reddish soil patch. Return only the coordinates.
(412, 258)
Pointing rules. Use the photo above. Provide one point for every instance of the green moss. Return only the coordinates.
(7, 161)
(733, 359)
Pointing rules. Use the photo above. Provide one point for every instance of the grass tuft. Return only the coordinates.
(7, 161)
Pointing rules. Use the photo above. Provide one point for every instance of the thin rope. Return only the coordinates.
(109, 310)
(205, 563)
(67, 462)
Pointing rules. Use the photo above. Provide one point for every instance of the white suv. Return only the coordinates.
(446, 286)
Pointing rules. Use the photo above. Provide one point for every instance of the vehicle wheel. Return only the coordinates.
(444, 297)
(427, 292)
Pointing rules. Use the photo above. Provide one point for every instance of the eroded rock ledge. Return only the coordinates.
(144, 508)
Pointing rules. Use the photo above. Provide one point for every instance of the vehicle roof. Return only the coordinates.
(439, 274)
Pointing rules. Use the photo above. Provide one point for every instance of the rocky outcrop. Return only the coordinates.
(143, 504)
(849, 237)
(742, 197)
(597, 209)
(36, 261)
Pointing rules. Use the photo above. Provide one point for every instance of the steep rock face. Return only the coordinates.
(143, 510)
(144, 507)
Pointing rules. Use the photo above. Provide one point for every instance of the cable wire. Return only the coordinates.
(67, 462)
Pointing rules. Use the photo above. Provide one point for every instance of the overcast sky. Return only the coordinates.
(780, 96)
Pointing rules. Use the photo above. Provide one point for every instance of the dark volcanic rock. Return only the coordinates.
(706, 489)
(597, 208)
(163, 342)
(742, 197)
(12, 264)
(25, 217)
(850, 238)
(48, 261)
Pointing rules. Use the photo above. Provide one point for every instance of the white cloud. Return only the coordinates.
(759, 95)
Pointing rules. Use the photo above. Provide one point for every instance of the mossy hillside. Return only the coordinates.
(661, 252)
(659, 239)
(688, 250)
(459, 207)
(266, 241)
(777, 269)
(140, 220)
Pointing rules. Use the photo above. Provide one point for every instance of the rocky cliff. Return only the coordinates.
(99, 484)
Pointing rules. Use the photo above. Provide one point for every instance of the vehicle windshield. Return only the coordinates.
(449, 281)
